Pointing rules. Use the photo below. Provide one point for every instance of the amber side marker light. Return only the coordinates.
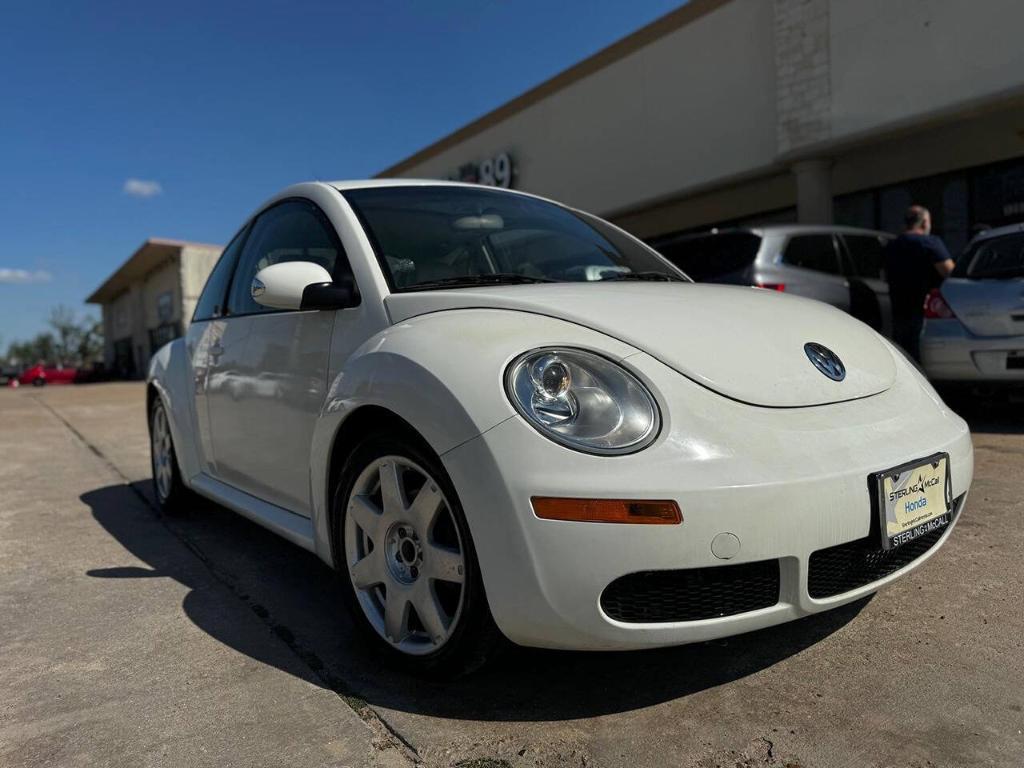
(608, 511)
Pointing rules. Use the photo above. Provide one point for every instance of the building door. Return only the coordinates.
(124, 362)
(271, 380)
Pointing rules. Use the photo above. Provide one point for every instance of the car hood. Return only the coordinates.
(744, 343)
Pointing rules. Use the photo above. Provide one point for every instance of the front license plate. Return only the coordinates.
(913, 499)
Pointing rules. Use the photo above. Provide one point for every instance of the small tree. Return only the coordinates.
(74, 341)
(68, 332)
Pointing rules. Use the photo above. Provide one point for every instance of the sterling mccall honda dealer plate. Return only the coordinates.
(913, 499)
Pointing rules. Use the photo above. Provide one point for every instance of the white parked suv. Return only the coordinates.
(497, 416)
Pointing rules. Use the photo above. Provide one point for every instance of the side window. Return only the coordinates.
(211, 300)
(866, 257)
(295, 230)
(817, 252)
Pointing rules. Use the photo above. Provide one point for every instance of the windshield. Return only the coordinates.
(711, 256)
(994, 257)
(449, 237)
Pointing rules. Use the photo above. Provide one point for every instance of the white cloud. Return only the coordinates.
(142, 188)
(23, 276)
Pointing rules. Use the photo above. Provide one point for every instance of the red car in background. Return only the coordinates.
(40, 375)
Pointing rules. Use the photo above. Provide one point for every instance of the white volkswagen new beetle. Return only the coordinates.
(495, 415)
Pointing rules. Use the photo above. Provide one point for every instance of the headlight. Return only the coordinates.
(582, 401)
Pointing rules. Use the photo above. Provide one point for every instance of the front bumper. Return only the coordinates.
(785, 482)
(950, 352)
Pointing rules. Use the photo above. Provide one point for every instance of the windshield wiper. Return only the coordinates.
(496, 278)
(651, 276)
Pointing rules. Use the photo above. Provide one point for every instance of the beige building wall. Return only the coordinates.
(654, 119)
(893, 62)
(155, 290)
(161, 288)
(196, 264)
(747, 106)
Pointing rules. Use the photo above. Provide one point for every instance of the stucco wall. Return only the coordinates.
(692, 107)
(162, 281)
(196, 264)
(892, 61)
(704, 123)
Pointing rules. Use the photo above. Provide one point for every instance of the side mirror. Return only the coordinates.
(299, 285)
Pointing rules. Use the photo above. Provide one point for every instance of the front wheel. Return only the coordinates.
(404, 549)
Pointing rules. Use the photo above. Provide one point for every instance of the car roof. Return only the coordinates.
(811, 229)
(780, 230)
(343, 185)
(353, 184)
(1008, 229)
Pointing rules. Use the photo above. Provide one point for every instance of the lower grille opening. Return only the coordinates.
(692, 594)
(846, 567)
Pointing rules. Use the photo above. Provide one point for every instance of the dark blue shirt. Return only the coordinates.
(910, 262)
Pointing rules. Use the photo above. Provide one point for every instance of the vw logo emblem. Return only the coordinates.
(825, 360)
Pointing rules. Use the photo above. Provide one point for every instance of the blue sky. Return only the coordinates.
(125, 120)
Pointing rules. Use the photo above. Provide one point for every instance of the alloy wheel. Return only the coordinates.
(405, 556)
(162, 452)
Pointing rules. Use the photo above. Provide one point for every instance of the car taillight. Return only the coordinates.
(772, 286)
(936, 308)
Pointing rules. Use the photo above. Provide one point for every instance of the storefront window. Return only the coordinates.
(855, 210)
(997, 195)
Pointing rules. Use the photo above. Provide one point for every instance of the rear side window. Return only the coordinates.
(211, 302)
(997, 257)
(707, 257)
(866, 259)
(817, 252)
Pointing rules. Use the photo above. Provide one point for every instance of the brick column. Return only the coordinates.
(802, 73)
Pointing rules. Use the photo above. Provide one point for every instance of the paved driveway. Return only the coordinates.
(129, 639)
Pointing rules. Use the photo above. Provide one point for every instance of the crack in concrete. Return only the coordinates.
(383, 732)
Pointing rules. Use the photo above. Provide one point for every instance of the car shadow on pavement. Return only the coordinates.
(297, 599)
(994, 411)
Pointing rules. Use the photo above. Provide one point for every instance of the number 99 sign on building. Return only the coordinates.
(493, 171)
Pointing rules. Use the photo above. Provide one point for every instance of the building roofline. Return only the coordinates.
(644, 36)
(178, 243)
(139, 264)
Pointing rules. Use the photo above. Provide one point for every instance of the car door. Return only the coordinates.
(205, 342)
(869, 288)
(813, 269)
(271, 379)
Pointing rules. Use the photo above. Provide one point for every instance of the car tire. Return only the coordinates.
(168, 489)
(406, 551)
(39, 382)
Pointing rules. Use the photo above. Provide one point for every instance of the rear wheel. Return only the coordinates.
(406, 555)
(39, 381)
(170, 492)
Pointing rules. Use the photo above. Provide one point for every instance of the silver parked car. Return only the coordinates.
(842, 266)
(974, 324)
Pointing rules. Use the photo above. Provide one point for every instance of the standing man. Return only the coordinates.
(915, 262)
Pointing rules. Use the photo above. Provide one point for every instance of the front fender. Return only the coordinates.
(442, 374)
(169, 374)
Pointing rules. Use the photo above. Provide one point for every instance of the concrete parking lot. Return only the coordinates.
(130, 639)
